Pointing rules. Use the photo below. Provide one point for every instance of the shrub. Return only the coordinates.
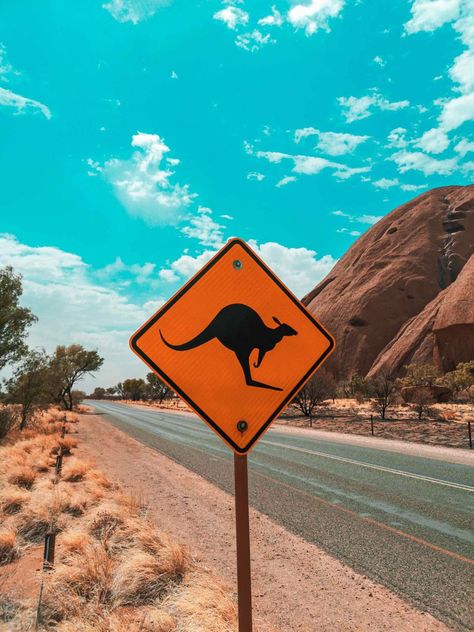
(9, 549)
(12, 500)
(23, 476)
(8, 420)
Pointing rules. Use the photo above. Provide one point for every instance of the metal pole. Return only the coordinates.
(49, 547)
(244, 585)
(470, 433)
(372, 424)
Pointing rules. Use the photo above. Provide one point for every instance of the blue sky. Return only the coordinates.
(139, 135)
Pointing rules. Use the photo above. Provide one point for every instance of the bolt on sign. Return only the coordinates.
(235, 344)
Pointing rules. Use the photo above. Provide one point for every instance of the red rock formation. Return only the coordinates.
(441, 334)
(386, 292)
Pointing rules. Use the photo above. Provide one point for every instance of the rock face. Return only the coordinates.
(398, 295)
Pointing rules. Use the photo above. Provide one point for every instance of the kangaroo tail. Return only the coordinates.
(197, 341)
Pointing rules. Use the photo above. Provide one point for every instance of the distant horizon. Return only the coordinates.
(139, 137)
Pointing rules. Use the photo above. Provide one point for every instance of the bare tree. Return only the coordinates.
(319, 388)
(382, 390)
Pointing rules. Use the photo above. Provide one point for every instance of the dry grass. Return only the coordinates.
(13, 499)
(202, 605)
(23, 476)
(114, 572)
(9, 549)
(142, 578)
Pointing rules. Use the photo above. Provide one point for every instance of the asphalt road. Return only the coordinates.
(402, 520)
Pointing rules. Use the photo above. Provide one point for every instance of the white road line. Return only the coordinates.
(333, 457)
(371, 466)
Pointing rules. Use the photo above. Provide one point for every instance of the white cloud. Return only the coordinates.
(412, 187)
(21, 104)
(284, 181)
(185, 266)
(464, 146)
(123, 274)
(143, 184)
(386, 183)
(418, 161)
(232, 17)
(310, 165)
(396, 138)
(379, 61)
(274, 19)
(174, 74)
(6, 69)
(434, 141)
(357, 108)
(368, 219)
(133, 11)
(299, 268)
(332, 143)
(203, 228)
(361, 219)
(428, 15)
(253, 41)
(468, 167)
(352, 233)
(73, 308)
(457, 111)
(462, 70)
(255, 175)
(315, 14)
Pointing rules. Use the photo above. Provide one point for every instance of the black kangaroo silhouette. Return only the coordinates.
(239, 328)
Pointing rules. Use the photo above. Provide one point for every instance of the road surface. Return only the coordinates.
(403, 520)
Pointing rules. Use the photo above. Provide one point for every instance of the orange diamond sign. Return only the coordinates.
(235, 344)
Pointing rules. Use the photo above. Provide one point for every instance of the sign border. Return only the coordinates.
(141, 354)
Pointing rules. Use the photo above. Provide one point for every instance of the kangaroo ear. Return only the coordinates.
(276, 320)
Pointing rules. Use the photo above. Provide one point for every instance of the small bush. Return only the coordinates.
(33, 528)
(23, 476)
(9, 549)
(12, 500)
(8, 421)
(143, 578)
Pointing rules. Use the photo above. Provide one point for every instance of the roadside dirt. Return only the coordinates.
(296, 586)
(349, 416)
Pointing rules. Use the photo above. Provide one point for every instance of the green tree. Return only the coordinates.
(157, 389)
(14, 319)
(134, 389)
(28, 385)
(68, 365)
(98, 393)
(420, 375)
(461, 379)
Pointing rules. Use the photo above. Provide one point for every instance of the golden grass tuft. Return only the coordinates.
(114, 571)
(9, 549)
(23, 476)
(13, 499)
(142, 578)
(201, 604)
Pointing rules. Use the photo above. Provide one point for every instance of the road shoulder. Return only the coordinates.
(296, 587)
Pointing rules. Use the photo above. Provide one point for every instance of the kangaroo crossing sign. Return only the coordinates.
(235, 344)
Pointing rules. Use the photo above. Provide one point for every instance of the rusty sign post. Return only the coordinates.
(237, 346)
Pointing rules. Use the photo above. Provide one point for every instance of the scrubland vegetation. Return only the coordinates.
(113, 571)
